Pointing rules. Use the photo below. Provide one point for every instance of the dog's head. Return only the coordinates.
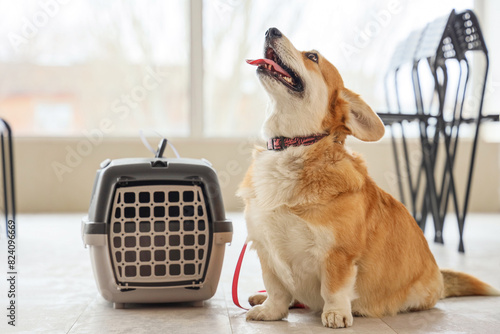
(308, 95)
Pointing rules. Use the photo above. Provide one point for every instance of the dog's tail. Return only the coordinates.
(460, 284)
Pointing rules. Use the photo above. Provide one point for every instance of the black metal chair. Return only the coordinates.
(444, 40)
(9, 202)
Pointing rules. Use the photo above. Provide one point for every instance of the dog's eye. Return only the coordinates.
(312, 56)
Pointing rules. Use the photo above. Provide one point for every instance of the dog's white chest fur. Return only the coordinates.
(293, 249)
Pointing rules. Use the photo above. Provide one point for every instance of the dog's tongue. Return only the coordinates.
(274, 65)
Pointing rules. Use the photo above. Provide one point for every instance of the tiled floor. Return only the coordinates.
(57, 292)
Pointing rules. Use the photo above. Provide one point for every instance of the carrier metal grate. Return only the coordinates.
(159, 234)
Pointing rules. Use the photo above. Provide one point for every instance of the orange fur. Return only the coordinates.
(377, 232)
(325, 233)
(461, 284)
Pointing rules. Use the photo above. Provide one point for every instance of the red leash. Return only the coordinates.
(236, 277)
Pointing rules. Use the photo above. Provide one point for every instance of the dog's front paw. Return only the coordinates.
(337, 319)
(257, 299)
(266, 313)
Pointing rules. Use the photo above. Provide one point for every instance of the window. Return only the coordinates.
(73, 66)
(356, 36)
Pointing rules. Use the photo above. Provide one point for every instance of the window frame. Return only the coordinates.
(196, 99)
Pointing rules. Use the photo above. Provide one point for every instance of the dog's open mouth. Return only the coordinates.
(272, 65)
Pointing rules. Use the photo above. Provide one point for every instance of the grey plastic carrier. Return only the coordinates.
(156, 230)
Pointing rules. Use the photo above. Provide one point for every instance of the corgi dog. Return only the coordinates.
(325, 234)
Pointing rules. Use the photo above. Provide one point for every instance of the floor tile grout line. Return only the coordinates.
(222, 286)
(388, 325)
(84, 310)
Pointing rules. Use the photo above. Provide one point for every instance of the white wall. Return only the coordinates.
(41, 189)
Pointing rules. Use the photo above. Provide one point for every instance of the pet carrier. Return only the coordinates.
(156, 230)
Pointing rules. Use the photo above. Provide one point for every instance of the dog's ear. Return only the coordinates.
(363, 122)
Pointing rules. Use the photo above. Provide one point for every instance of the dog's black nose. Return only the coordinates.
(273, 33)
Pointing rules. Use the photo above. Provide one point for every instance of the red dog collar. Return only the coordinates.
(280, 143)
